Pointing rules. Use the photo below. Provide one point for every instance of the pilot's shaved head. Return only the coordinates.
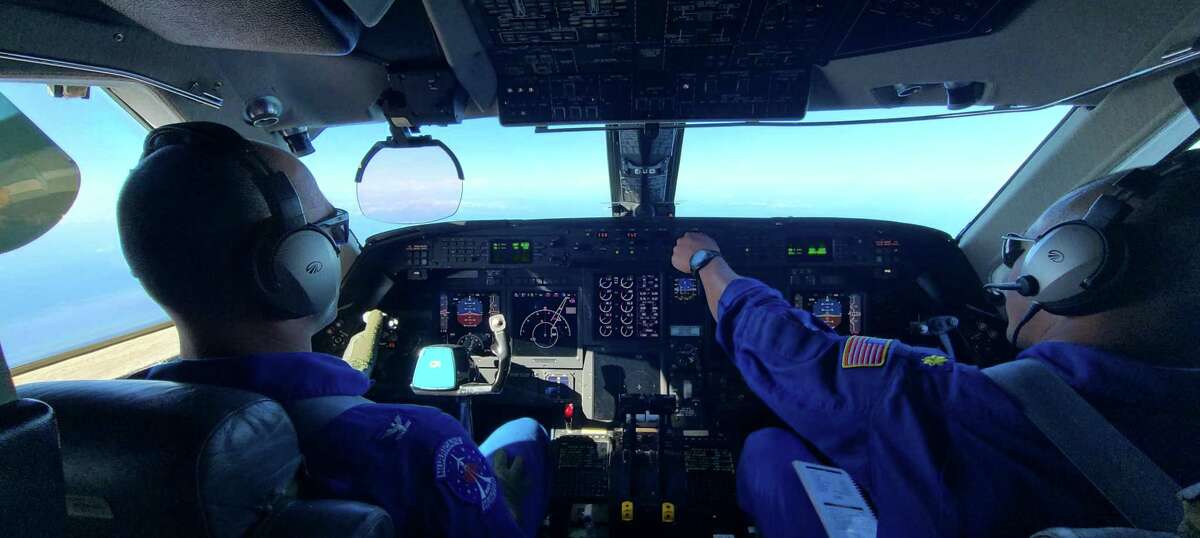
(188, 216)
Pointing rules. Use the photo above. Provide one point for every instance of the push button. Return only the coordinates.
(627, 511)
(668, 512)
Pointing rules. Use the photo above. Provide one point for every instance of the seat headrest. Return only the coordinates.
(157, 458)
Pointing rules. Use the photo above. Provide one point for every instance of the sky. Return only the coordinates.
(72, 287)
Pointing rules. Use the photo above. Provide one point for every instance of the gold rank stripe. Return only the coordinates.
(865, 352)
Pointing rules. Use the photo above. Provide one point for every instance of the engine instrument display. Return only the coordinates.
(842, 312)
(548, 323)
(628, 306)
(462, 319)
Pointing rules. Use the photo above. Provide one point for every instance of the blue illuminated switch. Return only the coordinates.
(441, 368)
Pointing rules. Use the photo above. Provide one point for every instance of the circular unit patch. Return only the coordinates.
(462, 468)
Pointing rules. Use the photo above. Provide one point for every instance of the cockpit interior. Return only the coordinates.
(606, 345)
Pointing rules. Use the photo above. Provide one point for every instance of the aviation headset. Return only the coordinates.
(294, 267)
(1072, 268)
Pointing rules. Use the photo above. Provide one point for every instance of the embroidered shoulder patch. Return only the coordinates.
(934, 360)
(462, 469)
(864, 352)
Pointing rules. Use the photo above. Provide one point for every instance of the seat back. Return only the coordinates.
(31, 475)
(155, 458)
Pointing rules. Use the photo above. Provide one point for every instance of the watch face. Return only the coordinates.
(699, 258)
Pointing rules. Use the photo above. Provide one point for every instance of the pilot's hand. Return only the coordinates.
(514, 485)
(687, 246)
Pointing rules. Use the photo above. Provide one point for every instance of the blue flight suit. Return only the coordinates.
(416, 462)
(939, 449)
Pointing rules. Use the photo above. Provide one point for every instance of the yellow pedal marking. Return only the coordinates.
(627, 511)
(668, 512)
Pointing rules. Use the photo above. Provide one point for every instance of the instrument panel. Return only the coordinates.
(616, 352)
(595, 310)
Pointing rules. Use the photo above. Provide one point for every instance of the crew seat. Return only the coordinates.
(155, 458)
(31, 474)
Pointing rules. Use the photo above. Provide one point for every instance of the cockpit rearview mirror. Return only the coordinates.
(38, 180)
(409, 180)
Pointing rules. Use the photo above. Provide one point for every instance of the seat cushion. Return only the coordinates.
(301, 519)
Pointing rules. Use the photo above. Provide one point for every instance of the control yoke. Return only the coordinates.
(450, 370)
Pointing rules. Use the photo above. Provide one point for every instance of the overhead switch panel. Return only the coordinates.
(596, 61)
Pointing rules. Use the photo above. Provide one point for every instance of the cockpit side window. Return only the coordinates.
(69, 289)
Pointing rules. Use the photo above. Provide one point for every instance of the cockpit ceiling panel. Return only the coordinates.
(588, 61)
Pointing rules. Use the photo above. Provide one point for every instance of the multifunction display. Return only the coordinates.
(548, 323)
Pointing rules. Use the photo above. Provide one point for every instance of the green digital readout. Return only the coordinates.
(511, 252)
(811, 249)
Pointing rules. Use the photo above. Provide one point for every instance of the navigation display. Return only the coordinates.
(462, 319)
(842, 312)
(548, 323)
(628, 306)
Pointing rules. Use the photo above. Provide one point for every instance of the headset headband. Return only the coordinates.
(276, 188)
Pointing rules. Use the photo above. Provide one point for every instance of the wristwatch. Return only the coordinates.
(702, 258)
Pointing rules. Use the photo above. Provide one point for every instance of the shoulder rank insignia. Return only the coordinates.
(864, 352)
(934, 360)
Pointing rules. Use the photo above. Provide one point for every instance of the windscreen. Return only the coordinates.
(937, 173)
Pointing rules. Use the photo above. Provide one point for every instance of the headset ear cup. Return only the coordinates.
(1098, 294)
(308, 272)
(1063, 261)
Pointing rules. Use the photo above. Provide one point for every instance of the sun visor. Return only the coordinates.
(38, 180)
(318, 27)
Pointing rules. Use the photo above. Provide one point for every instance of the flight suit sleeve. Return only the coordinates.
(428, 469)
(830, 389)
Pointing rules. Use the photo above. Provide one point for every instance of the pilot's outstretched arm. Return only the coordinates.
(811, 377)
(857, 400)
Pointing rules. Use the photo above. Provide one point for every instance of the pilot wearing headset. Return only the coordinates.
(241, 249)
(1103, 290)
